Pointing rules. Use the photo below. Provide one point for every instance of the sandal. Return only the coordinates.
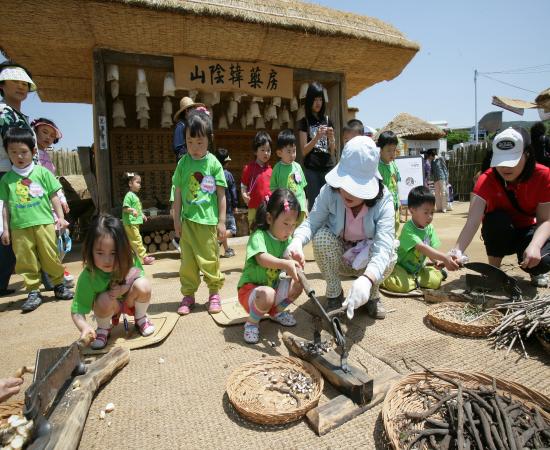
(251, 333)
(145, 326)
(285, 318)
(102, 335)
(214, 304)
(186, 305)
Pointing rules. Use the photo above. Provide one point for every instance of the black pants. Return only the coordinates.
(315, 181)
(7, 258)
(501, 239)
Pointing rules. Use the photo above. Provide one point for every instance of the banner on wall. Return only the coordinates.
(257, 79)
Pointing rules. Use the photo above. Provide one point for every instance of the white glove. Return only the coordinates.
(358, 295)
(294, 248)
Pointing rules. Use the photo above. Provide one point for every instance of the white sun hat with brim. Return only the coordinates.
(507, 148)
(17, 74)
(357, 172)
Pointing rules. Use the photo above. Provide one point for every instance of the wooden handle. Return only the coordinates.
(23, 370)
(85, 341)
(305, 283)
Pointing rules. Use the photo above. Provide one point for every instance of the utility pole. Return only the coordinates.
(475, 107)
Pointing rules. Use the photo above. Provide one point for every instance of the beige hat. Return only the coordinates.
(185, 103)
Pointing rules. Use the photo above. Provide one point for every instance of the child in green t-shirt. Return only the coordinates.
(29, 193)
(287, 173)
(417, 241)
(112, 283)
(133, 217)
(199, 214)
(387, 142)
(261, 290)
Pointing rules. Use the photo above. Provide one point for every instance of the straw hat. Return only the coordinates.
(185, 103)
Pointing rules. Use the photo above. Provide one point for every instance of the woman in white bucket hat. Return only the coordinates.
(352, 229)
(15, 84)
(511, 202)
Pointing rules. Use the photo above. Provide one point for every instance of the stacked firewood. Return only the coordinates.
(460, 417)
(159, 241)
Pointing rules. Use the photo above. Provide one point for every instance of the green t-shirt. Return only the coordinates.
(408, 256)
(131, 200)
(197, 179)
(29, 197)
(390, 177)
(262, 242)
(90, 285)
(291, 177)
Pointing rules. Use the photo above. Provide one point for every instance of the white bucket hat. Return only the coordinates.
(357, 172)
(507, 148)
(17, 74)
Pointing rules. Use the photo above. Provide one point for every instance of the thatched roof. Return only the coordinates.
(410, 127)
(543, 100)
(61, 35)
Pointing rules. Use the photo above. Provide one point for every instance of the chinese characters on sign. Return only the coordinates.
(253, 78)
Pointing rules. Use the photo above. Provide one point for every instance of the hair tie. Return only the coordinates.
(130, 174)
(266, 198)
(286, 206)
(203, 109)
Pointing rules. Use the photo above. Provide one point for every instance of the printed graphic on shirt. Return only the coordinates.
(25, 190)
(272, 277)
(200, 188)
(322, 143)
(294, 180)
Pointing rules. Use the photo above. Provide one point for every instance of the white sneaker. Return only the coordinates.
(540, 280)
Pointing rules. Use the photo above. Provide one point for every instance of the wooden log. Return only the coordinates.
(69, 417)
(163, 246)
(356, 384)
(171, 246)
(172, 234)
(166, 237)
(341, 409)
(157, 239)
(152, 248)
(147, 239)
(162, 232)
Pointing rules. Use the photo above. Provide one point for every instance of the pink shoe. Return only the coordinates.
(145, 326)
(148, 260)
(186, 305)
(214, 304)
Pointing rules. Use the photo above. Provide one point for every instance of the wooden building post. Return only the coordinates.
(101, 141)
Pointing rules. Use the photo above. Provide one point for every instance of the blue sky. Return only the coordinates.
(455, 38)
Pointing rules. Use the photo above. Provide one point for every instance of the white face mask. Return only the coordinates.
(25, 172)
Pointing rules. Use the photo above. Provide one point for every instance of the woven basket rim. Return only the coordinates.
(391, 411)
(460, 328)
(272, 417)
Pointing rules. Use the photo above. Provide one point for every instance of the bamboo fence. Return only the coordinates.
(463, 164)
(66, 162)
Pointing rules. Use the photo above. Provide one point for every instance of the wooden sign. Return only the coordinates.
(258, 79)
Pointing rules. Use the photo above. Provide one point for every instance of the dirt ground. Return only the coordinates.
(182, 403)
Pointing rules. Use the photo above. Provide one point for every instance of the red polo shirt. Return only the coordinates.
(529, 194)
(256, 178)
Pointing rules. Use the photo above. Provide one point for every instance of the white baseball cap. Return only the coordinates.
(357, 172)
(507, 148)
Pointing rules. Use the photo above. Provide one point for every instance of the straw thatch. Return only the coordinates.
(282, 32)
(410, 127)
(543, 100)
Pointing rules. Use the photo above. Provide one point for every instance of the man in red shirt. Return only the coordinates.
(512, 202)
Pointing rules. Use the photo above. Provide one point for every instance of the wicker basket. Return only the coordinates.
(10, 408)
(545, 344)
(444, 317)
(246, 389)
(400, 398)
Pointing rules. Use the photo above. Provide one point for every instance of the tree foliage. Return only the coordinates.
(456, 137)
